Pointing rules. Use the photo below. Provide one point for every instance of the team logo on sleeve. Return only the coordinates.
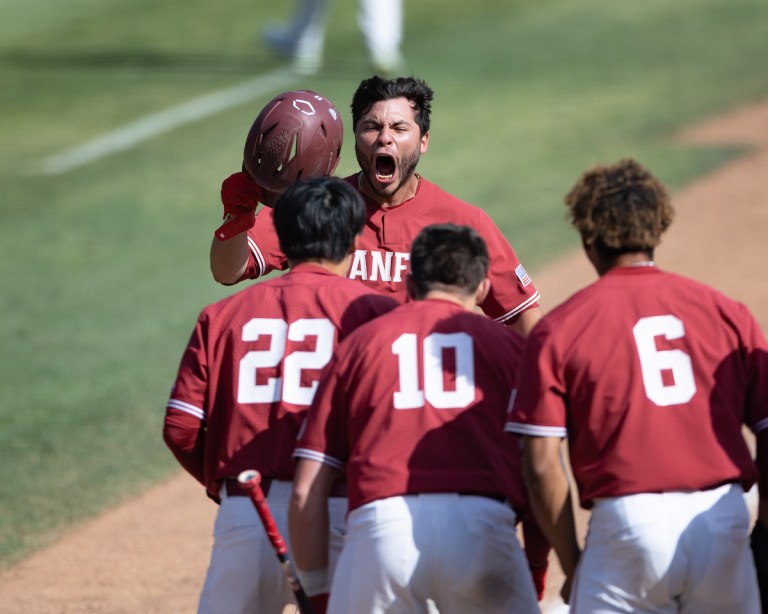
(522, 275)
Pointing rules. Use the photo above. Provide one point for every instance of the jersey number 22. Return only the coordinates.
(288, 387)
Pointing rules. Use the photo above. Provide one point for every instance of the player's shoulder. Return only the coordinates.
(356, 294)
(702, 292)
(354, 287)
(353, 302)
(225, 307)
(501, 334)
(433, 194)
(386, 322)
(363, 338)
(582, 299)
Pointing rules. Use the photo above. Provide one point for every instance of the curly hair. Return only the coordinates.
(620, 208)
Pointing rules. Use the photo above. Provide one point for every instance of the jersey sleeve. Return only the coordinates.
(264, 255)
(185, 413)
(324, 437)
(512, 289)
(756, 400)
(539, 408)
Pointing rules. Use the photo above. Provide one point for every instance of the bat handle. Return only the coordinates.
(251, 481)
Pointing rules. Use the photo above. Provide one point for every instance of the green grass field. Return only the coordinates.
(105, 267)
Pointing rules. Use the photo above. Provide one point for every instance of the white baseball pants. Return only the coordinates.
(671, 552)
(461, 552)
(244, 575)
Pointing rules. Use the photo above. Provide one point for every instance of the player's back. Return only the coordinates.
(269, 345)
(658, 379)
(432, 385)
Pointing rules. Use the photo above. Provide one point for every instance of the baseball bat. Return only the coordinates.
(251, 481)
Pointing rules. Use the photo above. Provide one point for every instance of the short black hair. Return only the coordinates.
(376, 89)
(318, 219)
(445, 255)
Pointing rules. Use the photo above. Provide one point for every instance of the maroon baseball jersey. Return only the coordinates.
(415, 402)
(383, 257)
(651, 376)
(251, 368)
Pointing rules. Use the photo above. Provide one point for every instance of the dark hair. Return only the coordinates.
(621, 208)
(376, 89)
(448, 255)
(318, 219)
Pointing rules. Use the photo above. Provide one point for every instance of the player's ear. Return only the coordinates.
(483, 288)
(424, 143)
(355, 244)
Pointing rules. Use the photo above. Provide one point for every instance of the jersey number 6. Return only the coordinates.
(654, 362)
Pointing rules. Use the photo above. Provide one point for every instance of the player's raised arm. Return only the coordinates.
(297, 135)
(240, 195)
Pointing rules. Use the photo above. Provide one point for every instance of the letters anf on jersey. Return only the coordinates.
(379, 266)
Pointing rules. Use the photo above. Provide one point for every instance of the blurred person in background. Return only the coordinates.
(302, 39)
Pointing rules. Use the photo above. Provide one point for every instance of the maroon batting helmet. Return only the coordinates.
(298, 135)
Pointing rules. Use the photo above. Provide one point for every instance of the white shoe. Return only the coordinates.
(389, 64)
(303, 53)
(306, 64)
(279, 39)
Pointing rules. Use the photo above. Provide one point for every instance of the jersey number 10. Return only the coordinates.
(410, 396)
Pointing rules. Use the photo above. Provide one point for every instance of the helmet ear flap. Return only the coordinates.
(298, 135)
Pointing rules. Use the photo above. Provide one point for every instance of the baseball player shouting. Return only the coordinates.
(650, 376)
(247, 378)
(391, 120)
(413, 407)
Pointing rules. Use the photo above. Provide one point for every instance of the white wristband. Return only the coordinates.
(314, 582)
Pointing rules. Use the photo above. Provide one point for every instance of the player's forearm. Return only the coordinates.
(309, 531)
(229, 259)
(185, 440)
(550, 498)
(308, 520)
(525, 322)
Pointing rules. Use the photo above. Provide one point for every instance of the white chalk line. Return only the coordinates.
(155, 124)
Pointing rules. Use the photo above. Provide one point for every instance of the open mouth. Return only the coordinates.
(385, 167)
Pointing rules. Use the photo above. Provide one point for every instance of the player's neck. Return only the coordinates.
(603, 265)
(464, 300)
(405, 191)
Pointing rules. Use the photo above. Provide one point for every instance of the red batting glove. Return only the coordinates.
(240, 196)
(235, 225)
(539, 574)
(319, 603)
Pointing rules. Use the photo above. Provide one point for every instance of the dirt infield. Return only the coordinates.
(149, 555)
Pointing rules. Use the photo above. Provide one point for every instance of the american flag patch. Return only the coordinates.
(524, 278)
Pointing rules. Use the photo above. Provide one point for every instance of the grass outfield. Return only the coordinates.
(105, 267)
